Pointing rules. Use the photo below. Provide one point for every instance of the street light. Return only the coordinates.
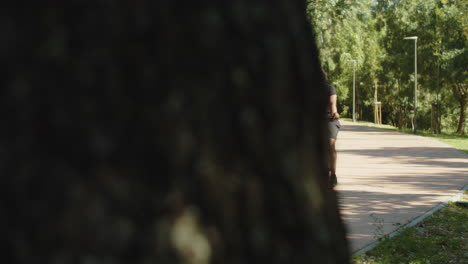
(415, 78)
(354, 89)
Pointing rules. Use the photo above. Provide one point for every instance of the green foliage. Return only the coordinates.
(371, 32)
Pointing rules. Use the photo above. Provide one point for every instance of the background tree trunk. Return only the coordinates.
(460, 92)
(462, 118)
(165, 132)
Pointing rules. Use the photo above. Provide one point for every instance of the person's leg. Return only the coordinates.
(333, 127)
(333, 156)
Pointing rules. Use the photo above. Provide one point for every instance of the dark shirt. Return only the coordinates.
(331, 91)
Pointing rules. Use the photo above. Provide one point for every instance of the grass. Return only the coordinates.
(455, 140)
(441, 238)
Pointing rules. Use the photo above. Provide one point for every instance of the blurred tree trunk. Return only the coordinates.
(164, 132)
(460, 92)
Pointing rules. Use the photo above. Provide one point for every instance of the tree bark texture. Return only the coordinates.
(164, 132)
(460, 91)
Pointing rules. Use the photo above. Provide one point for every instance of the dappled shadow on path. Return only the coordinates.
(433, 156)
(361, 204)
(360, 128)
(396, 192)
(379, 202)
(387, 178)
(370, 215)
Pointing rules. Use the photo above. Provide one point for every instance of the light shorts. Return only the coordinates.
(333, 128)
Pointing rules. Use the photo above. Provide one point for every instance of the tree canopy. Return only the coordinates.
(372, 33)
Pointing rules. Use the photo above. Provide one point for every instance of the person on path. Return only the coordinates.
(333, 127)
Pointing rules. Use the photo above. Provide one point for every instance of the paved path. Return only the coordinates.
(386, 179)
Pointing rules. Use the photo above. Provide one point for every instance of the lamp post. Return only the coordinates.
(354, 89)
(415, 38)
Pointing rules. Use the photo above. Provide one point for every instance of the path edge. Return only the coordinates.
(414, 222)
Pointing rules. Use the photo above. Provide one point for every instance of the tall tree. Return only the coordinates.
(347, 31)
(372, 33)
(165, 132)
(452, 28)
